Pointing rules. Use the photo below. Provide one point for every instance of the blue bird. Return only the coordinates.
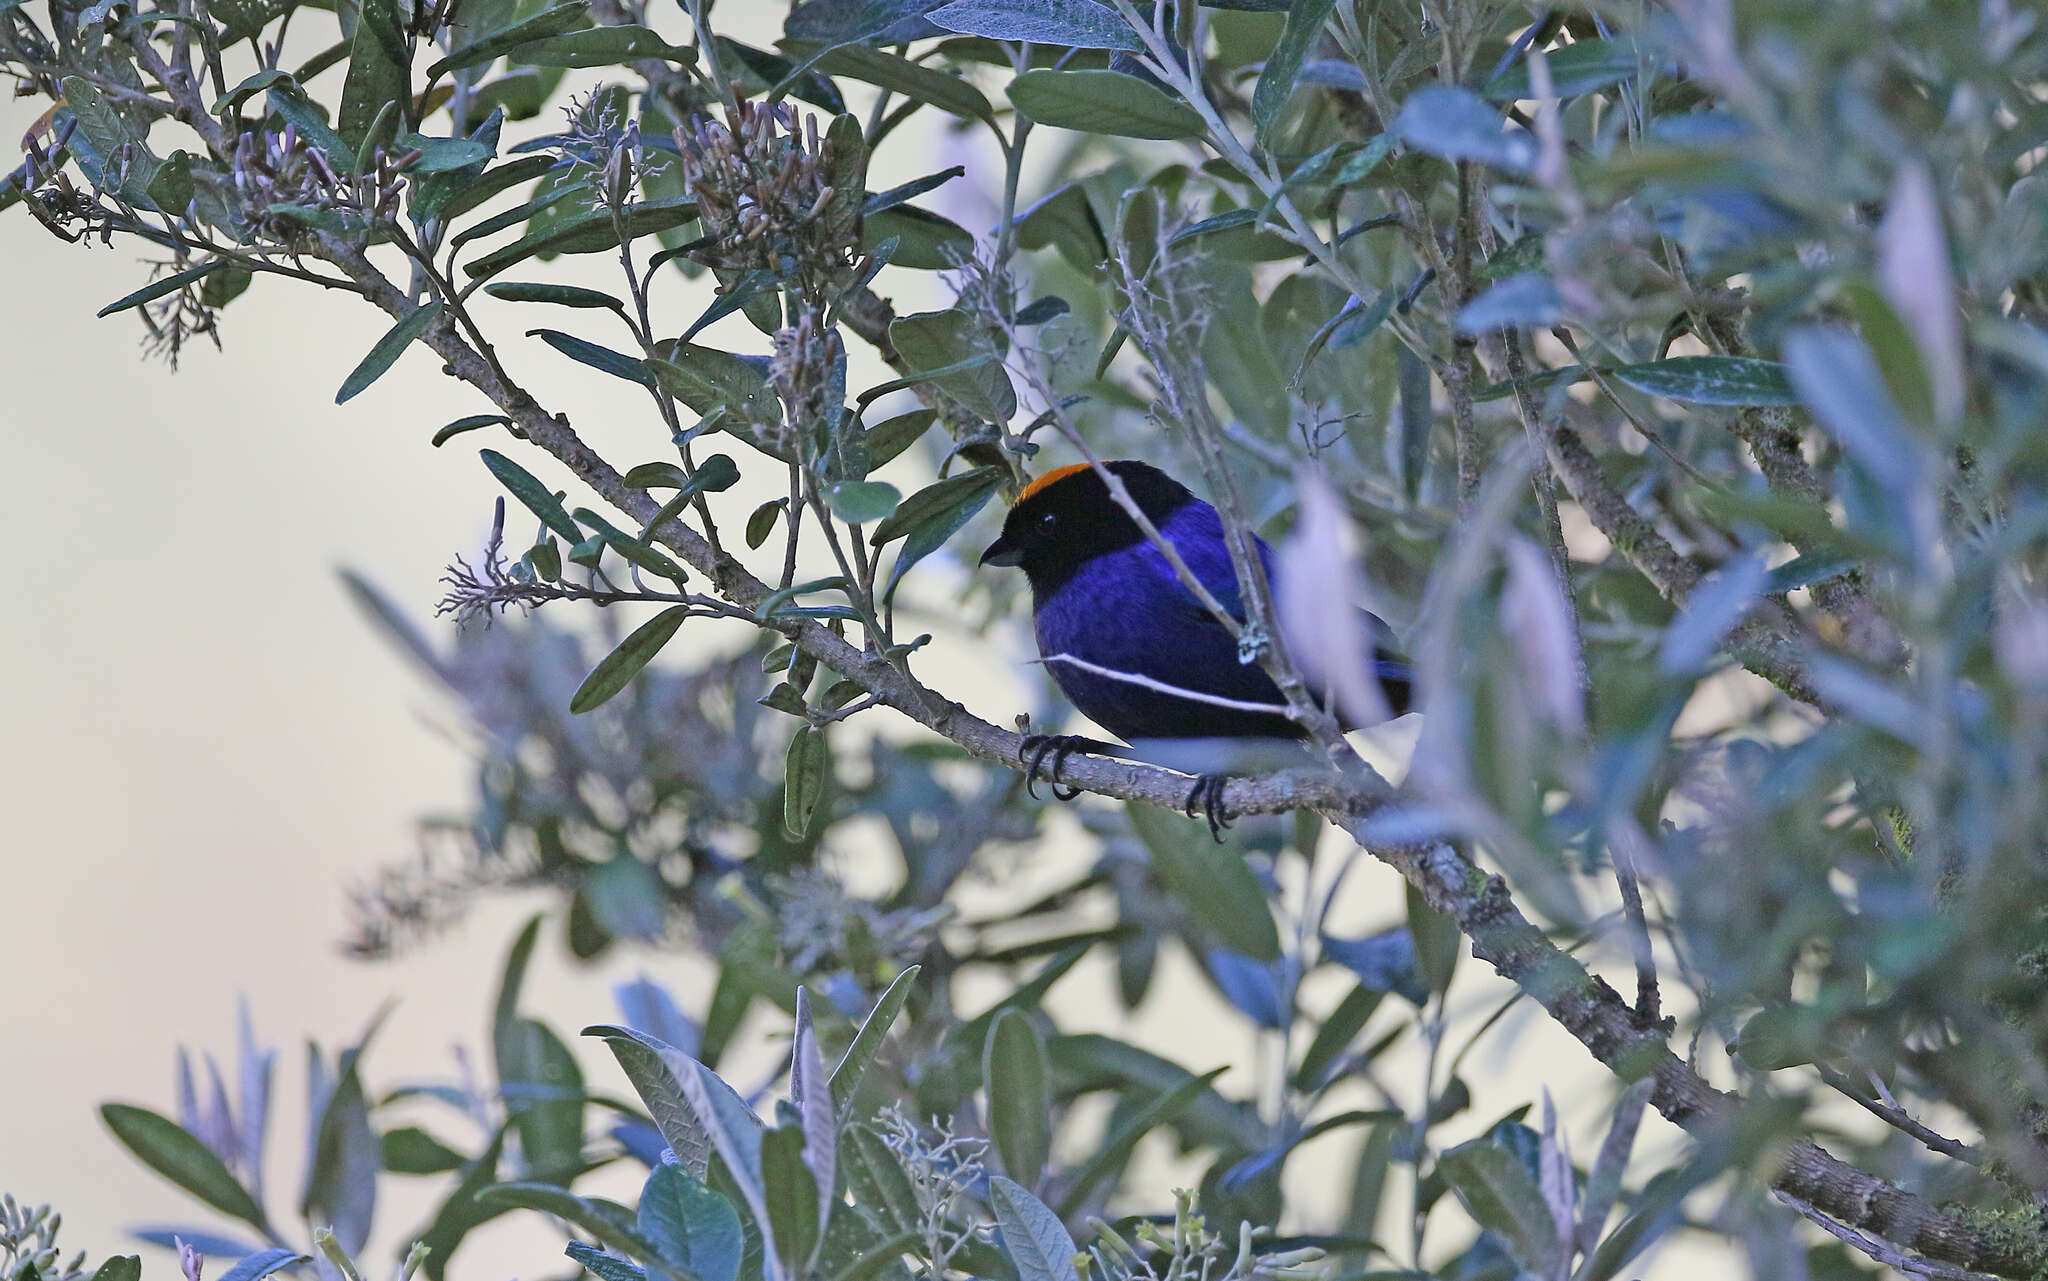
(1128, 644)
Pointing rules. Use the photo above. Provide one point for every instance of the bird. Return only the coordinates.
(1130, 645)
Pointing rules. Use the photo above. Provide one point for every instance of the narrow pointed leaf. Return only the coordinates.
(624, 663)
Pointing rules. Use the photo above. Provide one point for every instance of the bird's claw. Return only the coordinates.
(1208, 793)
(1033, 751)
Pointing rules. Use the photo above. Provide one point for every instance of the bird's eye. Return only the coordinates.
(1046, 520)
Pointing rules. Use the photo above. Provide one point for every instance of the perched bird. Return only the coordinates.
(1125, 639)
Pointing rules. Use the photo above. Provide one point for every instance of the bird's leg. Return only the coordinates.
(1208, 793)
(1036, 747)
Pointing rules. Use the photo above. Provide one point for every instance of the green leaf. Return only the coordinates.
(707, 379)
(924, 240)
(616, 363)
(444, 155)
(807, 774)
(411, 1150)
(890, 437)
(341, 1183)
(603, 1265)
(914, 80)
(862, 502)
(609, 1222)
(853, 1065)
(1334, 1034)
(588, 231)
(291, 103)
(492, 182)
(543, 1090)
(1305, 19)
(125, 161)
(538, 498)
(128, 1267)
(1211, 881)
(167, 1148)
(1019, 1107)
(566, 296)
(1783, 1036)
(603, 47)
(1712, 380)
(762, 522)
(696, 1230)
(250, 87)
(1116, 1148)
(1500, 1194)
(932, 515)
(791, 1193)
(471, 423)
(624, 663)
(379, 70)
(1033, 1236)
(1437, 941)
(168, 285)
(1103, 102)
(936, 340)
(1077, 24)
(656, 1069)
(541, 26)
(461, 1210)
(387, 350)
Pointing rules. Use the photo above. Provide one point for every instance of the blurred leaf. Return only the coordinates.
(1335, 1033)
(387, 350)
(624, 663)
(1254, 990)
(609, 1222)
(1520, 302)
(253, 1267)
(1783, 1036)
(1712, 380)
(1019, 1108)
(1384, 962)
(1078, 24)
(1715, 608)
(411, 1150)
(1116, 1147)
(341, 1173)
(1437, 941)
(1840, 382)
(1033, 1236)
(461, 1210)
(164, 1146)
(1457, 124)
(1211, 881)
(762, 522)
(1499, 1193)
(1103, 102)
(925, 241)
(1581, 67)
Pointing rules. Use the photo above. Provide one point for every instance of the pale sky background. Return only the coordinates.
(205, 745)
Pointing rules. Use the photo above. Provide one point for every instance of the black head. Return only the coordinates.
(1066, 518)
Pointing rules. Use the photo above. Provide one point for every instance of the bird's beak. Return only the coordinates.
(1002, 552)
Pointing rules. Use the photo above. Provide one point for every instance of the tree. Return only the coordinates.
(1683, 364)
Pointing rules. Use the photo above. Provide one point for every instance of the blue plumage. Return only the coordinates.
(1104, 594)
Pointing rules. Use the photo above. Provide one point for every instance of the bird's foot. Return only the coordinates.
(1208, 793)
(1034, 750)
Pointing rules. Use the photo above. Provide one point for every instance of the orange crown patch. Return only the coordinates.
(1050, 478)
